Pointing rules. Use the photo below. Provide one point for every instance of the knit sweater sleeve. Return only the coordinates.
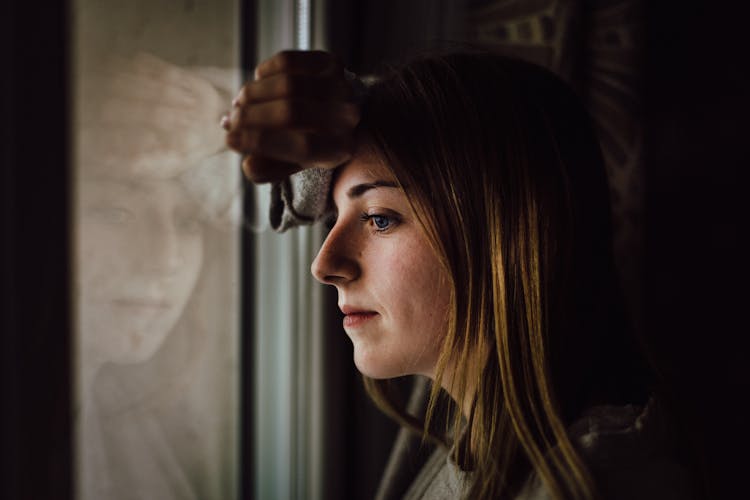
(300, 199)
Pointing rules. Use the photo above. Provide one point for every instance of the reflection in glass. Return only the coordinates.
(156, 264)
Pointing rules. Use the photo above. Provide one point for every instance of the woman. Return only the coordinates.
(471, 244)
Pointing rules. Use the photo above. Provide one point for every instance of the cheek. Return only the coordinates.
(104, 256)
(431, 292)
(192, 254)
(418, 288)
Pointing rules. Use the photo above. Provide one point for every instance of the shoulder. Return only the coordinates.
(629, 451)
(439, 479)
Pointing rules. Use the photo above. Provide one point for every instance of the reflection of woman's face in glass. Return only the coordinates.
(140, 253)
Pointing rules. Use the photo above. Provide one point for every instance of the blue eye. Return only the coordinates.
(381, 221)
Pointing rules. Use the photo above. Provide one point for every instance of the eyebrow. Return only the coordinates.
(125, 184)
(360, 189)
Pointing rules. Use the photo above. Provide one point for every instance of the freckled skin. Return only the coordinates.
(394, 273)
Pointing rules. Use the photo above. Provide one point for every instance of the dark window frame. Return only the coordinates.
(36, 334)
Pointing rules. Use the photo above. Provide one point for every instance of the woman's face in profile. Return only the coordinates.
(391, 287)
(140, 253)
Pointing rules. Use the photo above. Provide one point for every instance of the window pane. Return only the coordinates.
(157, 214)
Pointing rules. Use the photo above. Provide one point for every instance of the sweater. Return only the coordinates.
(627, 449)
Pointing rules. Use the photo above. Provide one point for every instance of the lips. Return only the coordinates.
(142, 303)
(354, 316)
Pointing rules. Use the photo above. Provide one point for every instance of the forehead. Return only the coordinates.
(363, 168)
(162, 193)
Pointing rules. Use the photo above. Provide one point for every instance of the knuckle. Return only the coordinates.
(283, 112)
(248, 93)
(287, 86)
(241, 116)
(231, 140)
(284, 59)
(248, 167)
(243, 141)
(288, 113)
(253, 169)
(242, 95)
(259, 140)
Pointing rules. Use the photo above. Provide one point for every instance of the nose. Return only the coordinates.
(165, 253)
(336, 262)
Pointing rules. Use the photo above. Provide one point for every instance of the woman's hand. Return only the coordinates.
(298, 113)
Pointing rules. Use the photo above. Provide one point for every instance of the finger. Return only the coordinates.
(299, 62)
(260, 170)
(289, 86)
(297, 114)
(326, 151)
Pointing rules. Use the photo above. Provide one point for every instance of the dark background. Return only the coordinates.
(685, 121)
(676, 141)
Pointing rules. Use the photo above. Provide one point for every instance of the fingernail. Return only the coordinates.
(230, 139)
(236, 102)
(224, 122)
(255, 74)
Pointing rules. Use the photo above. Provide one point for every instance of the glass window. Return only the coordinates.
(157, 212)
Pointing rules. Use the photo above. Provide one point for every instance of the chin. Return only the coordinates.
(374, 366)
(134, 346)
(133, 356)
(130, 358)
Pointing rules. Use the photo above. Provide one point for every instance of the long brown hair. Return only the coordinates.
(502, 168)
